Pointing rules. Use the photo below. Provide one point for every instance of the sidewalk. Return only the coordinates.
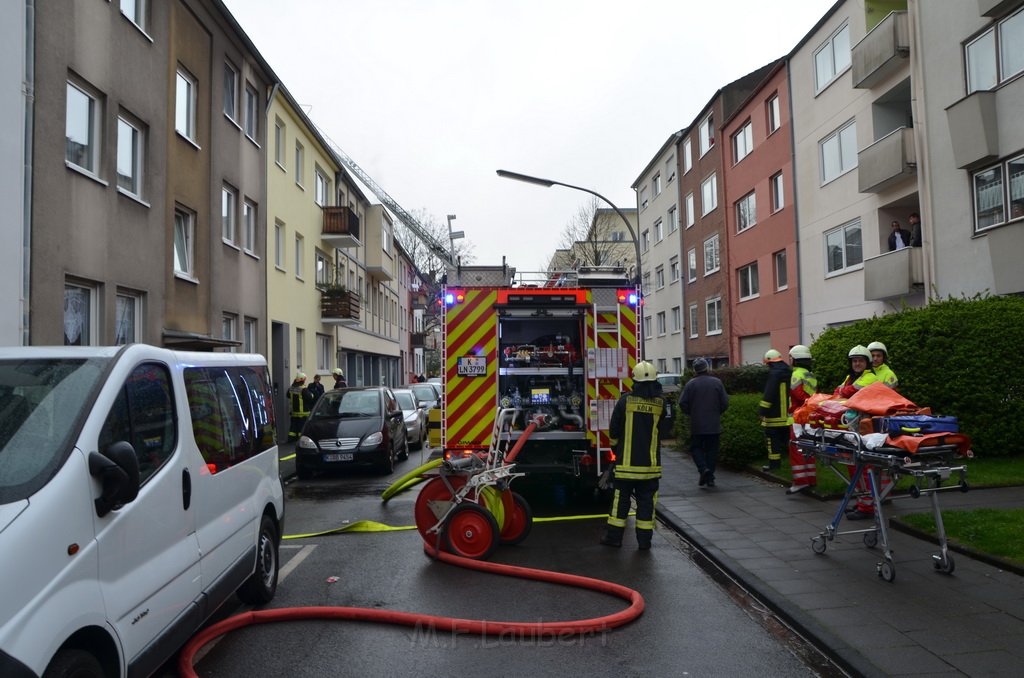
(923, 623)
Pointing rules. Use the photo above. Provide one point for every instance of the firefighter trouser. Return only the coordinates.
(804, 467)
(296, 428)
(778, 440)
(865, 502)
(646, 493)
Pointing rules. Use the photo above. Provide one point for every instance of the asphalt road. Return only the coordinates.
(691, 624)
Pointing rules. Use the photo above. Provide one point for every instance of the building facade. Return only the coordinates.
(16, 87)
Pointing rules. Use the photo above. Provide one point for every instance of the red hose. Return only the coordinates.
(474, 626)
(511, 456)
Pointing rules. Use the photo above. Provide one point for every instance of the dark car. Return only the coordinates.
(356, 426)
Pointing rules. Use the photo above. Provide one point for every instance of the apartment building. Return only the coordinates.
(764, 310)
(16, 83)
(658, 217)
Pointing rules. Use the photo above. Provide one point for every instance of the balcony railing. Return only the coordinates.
(418, 340)
(339, 307)
(341, 227)
(893, 274)
(881, 52)
(887, 161)
(974, 128)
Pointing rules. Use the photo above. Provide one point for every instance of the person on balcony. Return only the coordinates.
(899, 238)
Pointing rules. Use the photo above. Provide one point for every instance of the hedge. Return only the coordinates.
(743, 442)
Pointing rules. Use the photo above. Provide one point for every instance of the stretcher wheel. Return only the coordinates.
(964, 487)
(886, 570)
(871, 539)
(433, 492)
(915, 491)
(471, 531)
(818, 544)
(946, 567)
(518, 518)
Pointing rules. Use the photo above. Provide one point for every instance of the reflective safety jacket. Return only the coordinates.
(299, 400)
(774, 405)
(634, 431)
(848, 388)
(802, 385)
(886, 376)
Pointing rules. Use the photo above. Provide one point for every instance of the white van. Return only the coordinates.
(139, 489)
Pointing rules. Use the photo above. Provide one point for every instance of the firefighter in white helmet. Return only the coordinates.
(634, 431)
(880, 364)
(339, 378)
(802, 385)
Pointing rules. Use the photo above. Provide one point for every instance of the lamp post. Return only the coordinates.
(548, 183)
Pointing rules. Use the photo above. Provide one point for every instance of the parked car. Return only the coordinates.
(670, 383)
(354, 426)
(428, 393)
(415, 413)
(139, 489)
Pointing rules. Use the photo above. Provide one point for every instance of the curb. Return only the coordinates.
(987, 558)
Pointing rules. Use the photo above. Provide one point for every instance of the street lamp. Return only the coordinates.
(548, 183)
(453, 235)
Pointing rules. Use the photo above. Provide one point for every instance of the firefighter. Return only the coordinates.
(880, 365)
(634, 430)
(339, 378)
(300, 401)
(802, 385)
(774, 408)
(859, 376)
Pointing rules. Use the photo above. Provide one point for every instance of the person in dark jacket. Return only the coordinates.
(316, 389)
(339, 378)
(634, 430)
(774, 408)
(704, 399)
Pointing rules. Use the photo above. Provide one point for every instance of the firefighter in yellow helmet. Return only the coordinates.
(634, 430)
(300, 402)
(774, 408)
(802, 385)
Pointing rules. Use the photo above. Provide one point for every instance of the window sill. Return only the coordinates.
(750, 298)
(133, 197)
(838, 176)
(234, 123)
(782, 289)
(283, 168)
(183, 137)
(252, 254)
(280, 269)
(712, 272)
(844, 271)
(231, 244)
(186, 277)
(139, 28)
(713, 333)
(299, 184)
(85, 173)
(254, 142)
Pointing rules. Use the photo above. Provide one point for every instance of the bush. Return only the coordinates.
(959, 357)
(742, 442)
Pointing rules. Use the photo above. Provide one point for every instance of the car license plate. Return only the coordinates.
(343, 456)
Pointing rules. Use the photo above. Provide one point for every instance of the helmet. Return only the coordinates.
(859, 351)
(300, 376)
(799, 352)
(337, 372)
(644, 371)
(771, 355)
(878, 346)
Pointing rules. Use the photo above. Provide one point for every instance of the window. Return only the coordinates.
(996, 55)
(712, 254)
(249, 234)
(992, 194)
(839, 152)
(322, 192)
(742, 142)
(135, 11)
(617, 236)
(659, 277)
(749, 287)
(82, 129)
(659, 234)
(677, 365)
(843, 248)
(249, 341)
(660, 320)
(662, 365)
(693, 321)
(185, 106)
(79, 315)
(746, 212)
(143, 415)
(279, 142)
(673, 219)
(129, 156)
(298, 257)
(184, 236)
(713, 315)
(229, 328)
(647, 282)
(323, 352)
(774, 113)
(385, 241)
(781, 273)
(300, 339)
(323, 269)
(228, 210)
(707, 135)
(645, 241)
(690, 217)
(252, 112)
(656, 185)
(647, 325)
(300, 158)
(777, 195)
(643, 198)
(709, 194)
(677, 319)
(691, 265)
(670, 169)
(673, 269)
(279, 244)
(231, 91)
(128, 318)
(687, 156)
(832, 58)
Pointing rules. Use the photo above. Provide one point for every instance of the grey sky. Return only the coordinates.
(430, 97)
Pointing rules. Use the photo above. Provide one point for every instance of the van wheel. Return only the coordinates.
(73, 663)
(261, 586)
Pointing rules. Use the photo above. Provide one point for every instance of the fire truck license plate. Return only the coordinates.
(343, 456)
(472, 366)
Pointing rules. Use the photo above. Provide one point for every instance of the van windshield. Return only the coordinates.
(41, 400)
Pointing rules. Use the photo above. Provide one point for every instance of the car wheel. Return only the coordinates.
(387, 465)
(302, 471)
(74, 663)
(404, 454)
(261, 586)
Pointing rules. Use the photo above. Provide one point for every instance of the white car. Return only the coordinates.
(415, 413)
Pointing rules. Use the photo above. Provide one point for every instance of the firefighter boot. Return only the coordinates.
(643, 539)
(612, 537)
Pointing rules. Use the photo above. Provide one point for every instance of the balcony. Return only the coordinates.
(882, 52)
(1005, 244)
(339, 307)
(893, 274)
(974, 128)
(887, 162)
(417, 300)
(995, 8)
(380, 262)
(418, 340)
(341, 227)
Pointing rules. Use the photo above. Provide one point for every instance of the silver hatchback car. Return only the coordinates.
(414, 411)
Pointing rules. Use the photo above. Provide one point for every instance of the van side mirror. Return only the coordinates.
(117, 469)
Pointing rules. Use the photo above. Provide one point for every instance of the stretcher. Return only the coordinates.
(930, 465)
